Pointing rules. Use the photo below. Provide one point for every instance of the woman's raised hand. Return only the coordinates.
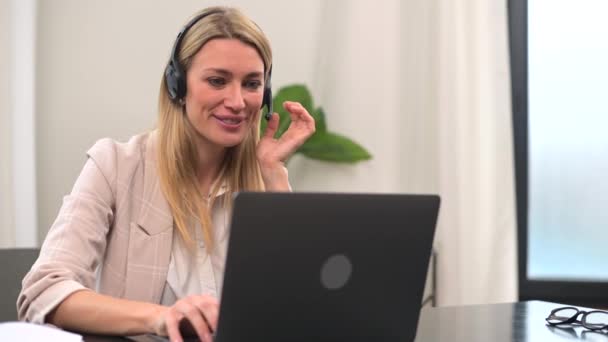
(272, 152)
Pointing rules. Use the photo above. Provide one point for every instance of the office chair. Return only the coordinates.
(14, 264)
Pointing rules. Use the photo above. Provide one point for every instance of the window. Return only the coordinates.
(559, 66)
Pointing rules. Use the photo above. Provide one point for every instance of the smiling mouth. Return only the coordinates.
(230, 121)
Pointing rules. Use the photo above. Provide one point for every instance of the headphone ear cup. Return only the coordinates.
(174, 80)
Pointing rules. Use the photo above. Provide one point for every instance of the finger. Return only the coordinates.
(303, 122)
(172, 324)
(293, 107)
(272, 126)
(195, 317)
(297, 111)
(211, 313)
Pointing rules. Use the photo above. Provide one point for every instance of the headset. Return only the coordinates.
(175, 77)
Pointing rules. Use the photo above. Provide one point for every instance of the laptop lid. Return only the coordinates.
(326, 267)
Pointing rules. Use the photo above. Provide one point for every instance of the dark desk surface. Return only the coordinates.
(516, 322)
(511, 322)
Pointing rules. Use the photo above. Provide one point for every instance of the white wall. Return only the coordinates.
(358, 82)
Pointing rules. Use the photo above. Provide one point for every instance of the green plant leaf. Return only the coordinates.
(263, 122)
(297, 93)
(322, 145)
(294, 92)
(319, 116)
(329, 146)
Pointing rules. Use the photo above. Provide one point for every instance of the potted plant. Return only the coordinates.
(323, 144)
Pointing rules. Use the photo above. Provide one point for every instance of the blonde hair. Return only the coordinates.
(177, 153)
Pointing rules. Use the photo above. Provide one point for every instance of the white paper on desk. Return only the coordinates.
(29, 332)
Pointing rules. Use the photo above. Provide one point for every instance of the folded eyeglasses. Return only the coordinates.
(592, 320)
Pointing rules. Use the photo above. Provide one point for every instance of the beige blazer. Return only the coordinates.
(113, 233)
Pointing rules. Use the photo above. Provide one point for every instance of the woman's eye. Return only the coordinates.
(216, 81)
(253, 84)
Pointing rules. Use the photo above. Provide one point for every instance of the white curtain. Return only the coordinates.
(477, 235)
(7, 233)
(18, 214)
(425, 86)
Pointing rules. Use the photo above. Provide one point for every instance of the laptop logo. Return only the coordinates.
(336, 272)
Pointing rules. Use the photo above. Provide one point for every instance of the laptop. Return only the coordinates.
(326, 267)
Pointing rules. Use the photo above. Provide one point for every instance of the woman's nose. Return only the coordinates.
(234, 98)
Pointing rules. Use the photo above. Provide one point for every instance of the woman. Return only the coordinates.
(145, 224)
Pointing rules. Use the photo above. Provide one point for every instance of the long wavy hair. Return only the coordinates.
(177, 153)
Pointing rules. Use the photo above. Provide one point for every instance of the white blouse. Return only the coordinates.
(197, 271)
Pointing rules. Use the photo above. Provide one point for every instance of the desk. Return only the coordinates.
(511, 322)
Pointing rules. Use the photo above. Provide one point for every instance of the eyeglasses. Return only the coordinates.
(592, 320)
